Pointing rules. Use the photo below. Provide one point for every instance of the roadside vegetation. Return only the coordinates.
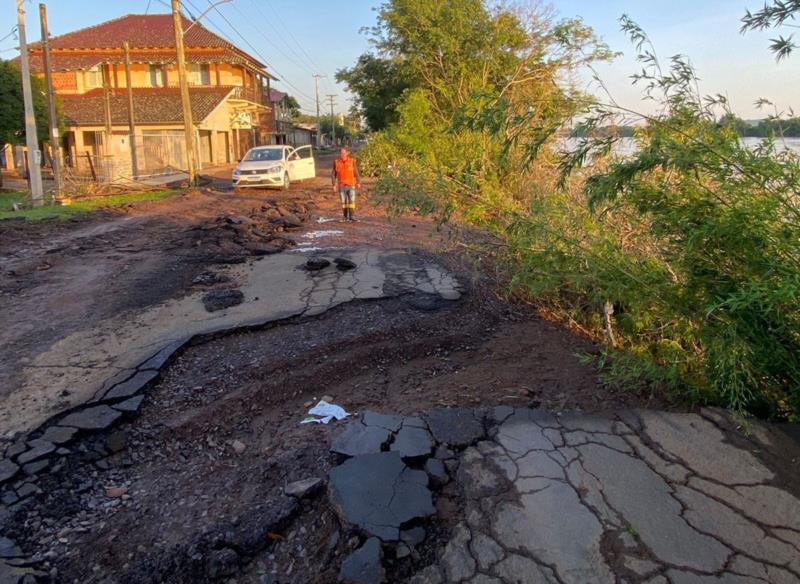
(77, 207)
(684, 258)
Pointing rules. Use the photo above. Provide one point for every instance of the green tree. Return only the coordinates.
(12, 108)
(293, 105)
(775, 14)
(377, 85)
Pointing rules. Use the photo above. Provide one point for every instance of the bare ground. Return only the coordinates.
(189, 496)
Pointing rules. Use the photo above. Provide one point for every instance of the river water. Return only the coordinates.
(627, 146)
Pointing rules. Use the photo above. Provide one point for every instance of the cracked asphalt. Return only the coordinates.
(635, 496)
(642, 496)
(87, 363)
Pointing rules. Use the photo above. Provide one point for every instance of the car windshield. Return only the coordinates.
(264, 154)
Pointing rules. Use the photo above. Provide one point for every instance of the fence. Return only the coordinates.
(158, 153)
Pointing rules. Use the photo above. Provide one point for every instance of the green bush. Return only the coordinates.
(684, 258)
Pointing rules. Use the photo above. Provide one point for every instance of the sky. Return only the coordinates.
(298, 38)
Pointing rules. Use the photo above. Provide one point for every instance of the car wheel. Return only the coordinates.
(286, 182)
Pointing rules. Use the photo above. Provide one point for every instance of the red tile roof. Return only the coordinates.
(150, 106)
(142, 31)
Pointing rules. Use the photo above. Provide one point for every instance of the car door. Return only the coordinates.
(301, 164)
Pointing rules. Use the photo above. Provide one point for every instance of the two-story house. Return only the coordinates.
(227, 89)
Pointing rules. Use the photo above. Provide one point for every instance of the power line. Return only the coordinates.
(259, 55)
(268, 40)
(308, 59)
(226, 36)
(12, 33)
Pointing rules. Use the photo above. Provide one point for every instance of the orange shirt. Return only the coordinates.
(345, 171)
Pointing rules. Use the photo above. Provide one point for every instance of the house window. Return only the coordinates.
(93, 77)
(157, 75)
(199, 74)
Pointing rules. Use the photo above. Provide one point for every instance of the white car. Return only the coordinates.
(274, 167)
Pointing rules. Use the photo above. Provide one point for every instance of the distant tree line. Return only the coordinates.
(767, 128)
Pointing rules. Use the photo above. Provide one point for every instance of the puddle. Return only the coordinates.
(322, 233)
(307, 248)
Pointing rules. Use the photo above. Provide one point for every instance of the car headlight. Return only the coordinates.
(274, 169)
(235, 172)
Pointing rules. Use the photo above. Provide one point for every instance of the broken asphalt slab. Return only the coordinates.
(99, 361)
(379, 494)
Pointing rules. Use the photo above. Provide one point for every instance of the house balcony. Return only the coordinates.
(247, 97)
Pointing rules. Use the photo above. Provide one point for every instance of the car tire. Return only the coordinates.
(286, 182)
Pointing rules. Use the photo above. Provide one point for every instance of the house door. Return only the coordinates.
(205, 147)
(223, 147)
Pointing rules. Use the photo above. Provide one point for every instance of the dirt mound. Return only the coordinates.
(231, 238)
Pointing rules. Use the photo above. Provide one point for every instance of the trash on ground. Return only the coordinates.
(324, 412)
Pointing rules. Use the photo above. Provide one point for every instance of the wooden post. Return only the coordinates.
(55, 158)
(131, 121)
(91, 166)
(188, 124)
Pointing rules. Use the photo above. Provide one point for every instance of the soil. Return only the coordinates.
(188, 499)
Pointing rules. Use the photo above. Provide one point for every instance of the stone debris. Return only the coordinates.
(92, 418)
(39, 449)
(131, 386)
(221, 299)
(457, 427)
(238, 446)
(379, 494)
(117, 441)
(116, 492)
(436, 472)
(8, 470)
(28, 489)
(316, 264)
(356, 439)
(303, 488)
(344, 264)
(364, 565)
(387, 422)
(59, 434)
(130, 406)
(9, 549)
(412, 442)
(33, 468)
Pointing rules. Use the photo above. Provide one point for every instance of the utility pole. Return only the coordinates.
(331, 97)
(317, 77)
(31, 140)
(51, 99)
(107, 108)
(131, 121)
(188, 125)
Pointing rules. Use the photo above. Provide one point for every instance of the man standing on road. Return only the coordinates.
(346, 180)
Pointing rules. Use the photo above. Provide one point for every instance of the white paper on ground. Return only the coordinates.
(325, 412)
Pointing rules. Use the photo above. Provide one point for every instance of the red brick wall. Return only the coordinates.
(65, 81)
